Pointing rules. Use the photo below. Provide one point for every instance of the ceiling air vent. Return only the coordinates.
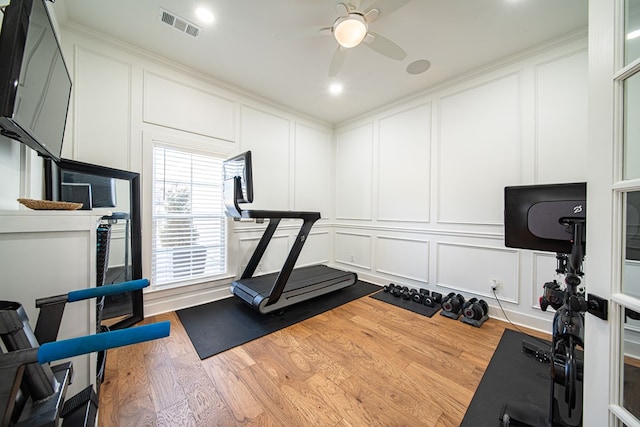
(178, 23)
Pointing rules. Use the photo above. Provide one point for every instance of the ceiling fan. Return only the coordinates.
(351, 28)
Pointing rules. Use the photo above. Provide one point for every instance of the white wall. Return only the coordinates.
(124, 101)
(419, 185)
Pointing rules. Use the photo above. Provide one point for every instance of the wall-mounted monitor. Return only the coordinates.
(35, 85)
(540, 217)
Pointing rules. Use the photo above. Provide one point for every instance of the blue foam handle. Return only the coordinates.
(100, 291)
(57, 350)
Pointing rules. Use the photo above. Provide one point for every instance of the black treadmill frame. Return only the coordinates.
(233, 193)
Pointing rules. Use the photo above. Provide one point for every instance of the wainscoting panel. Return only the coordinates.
(353, 249)
(403, 258)
(102, 112)
(273, 258)
(470, 268)
(177, 105)
(404, 165)
(561, 119)
(312, 186)
(479, 151)
(354, 173)
(315, 249)
(267, 136)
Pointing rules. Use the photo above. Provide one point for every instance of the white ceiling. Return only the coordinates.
(240, 47)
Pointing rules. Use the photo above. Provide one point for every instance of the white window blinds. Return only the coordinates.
(189, 235)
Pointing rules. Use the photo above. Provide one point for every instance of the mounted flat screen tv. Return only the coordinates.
(540, 217)
(35, 85)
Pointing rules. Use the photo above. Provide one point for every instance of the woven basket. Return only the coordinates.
(42, 205)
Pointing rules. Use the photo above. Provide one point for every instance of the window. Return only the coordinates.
(189, 225)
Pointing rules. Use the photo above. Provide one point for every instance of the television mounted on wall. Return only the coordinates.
(35, 86)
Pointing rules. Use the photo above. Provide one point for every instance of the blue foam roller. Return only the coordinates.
(57, 350)
(99, 291)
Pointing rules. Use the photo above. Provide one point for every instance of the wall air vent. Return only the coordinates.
(178, 23)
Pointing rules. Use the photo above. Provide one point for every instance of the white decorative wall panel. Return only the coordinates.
(102, 88)
(273, 258)
(470, 268)
(405, 165)
(315, 250)
(561, 119)
(354, 157)
(312, 183)
(267, 136)
(479, 151)
(177, 105)
(353, 249)
(407, 258)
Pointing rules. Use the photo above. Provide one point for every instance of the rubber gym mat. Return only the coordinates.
(515, 379)
(220, 325)
(407, 304)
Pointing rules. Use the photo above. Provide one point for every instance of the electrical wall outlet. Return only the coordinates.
(495, 285)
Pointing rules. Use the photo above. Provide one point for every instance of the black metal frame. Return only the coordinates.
(53, 172)
(233, 192)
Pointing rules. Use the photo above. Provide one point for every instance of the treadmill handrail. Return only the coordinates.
(290, 262)
(233, 194)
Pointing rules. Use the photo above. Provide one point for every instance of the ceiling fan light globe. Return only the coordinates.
(350, 30)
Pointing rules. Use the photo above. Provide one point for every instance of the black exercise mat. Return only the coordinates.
(513, 378)
(407, 304)
(220, 325)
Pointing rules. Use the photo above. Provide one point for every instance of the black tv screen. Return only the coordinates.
(538, 217)
(240, 166)
(35, 85)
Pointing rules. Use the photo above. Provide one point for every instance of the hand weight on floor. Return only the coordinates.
(475, 309)
(453, 303)
(433, 299)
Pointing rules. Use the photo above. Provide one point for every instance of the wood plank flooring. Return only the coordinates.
(366, 363)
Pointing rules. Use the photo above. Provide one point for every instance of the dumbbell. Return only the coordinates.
(475, 309)
(418, 296)
(398, 290)
(432, 299)
(453, 302)
(406, 293)
(388, 288)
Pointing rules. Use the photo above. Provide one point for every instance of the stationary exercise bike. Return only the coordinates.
(568, 335)
(563, 357)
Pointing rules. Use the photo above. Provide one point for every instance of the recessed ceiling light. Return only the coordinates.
(335, 89)
(204, 15)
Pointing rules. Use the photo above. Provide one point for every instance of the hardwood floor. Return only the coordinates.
(366, 363)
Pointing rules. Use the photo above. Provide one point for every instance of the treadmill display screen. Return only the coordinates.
(240, 166)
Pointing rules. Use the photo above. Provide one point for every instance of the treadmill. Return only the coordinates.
(275, 291)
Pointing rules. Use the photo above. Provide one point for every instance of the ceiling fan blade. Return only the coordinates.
(387, 7)
(384, 46)
(342, 9)
(371, 15)
(366, 5)
(337, 61)
(303, 33)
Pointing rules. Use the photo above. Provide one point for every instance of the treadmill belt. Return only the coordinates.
(304, 283)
